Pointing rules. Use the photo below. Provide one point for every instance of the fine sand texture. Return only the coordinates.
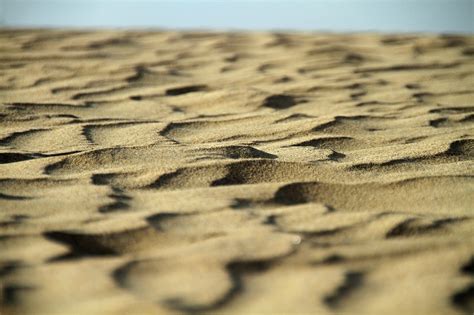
(236, 173)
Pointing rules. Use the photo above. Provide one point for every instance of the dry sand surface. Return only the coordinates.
(236, 173)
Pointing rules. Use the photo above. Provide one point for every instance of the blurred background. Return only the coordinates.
(445, 16)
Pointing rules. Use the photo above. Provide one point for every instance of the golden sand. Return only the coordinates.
(236, 173)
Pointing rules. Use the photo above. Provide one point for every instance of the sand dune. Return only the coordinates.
(236, 173)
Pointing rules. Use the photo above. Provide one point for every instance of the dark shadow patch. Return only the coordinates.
(82, 244)
(270, 220)
(104, 244)
(352, 281)
(12, 197)
(114, 206)
(232, 59)
(397, 40)
(284, 79)
(185, 90)
(15, 157)
(120, 274)
(165, 179)
(353, 58)
(453, 110)
(421, 97)
(102, 179)
(468, 51)
(279, 101)
(360, 104)
(468, 268)
(436, 123)
(333, 259)
(463, 147)
(336, 156)
(409, 67)
(140, 72)
(322, 233)
(241, 203)
(8, 267)
(157, 219)
(50, 168)
(26, 105)
(14, 221)
(110, 42)
(225, 181)
(357, 95)
(464, 300)
(410, 227)
(12, 293)
(136, 97)
(87, 134)
(84, 95)
(119, 203)
(412, 86)
(468, 118)
(451, 40)
(291, 194)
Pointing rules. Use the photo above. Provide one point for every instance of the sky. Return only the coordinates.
(445, 16)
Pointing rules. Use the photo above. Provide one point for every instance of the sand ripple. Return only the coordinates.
(169, 173)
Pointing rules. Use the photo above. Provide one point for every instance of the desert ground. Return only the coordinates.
(166, 172)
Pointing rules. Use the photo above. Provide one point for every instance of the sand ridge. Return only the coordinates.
(161, 172)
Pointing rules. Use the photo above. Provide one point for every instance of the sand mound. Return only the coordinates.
(258, 173)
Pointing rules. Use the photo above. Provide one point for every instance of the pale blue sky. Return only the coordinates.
(332, 15)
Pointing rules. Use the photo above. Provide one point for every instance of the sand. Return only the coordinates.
(236, 173)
